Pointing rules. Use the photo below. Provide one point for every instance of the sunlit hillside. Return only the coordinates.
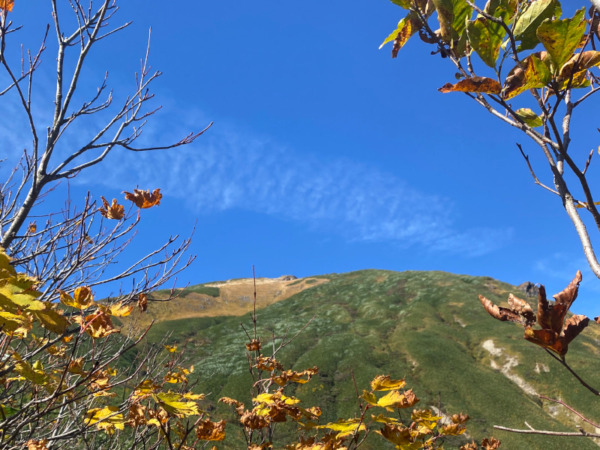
(428, 327)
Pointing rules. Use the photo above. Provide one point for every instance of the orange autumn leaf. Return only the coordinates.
(32, 444)
(7, 5)
(481, 85)
(144, 199)
(97, 325)
(253, 345)
(211, 431)
(142, 302)
(112, 211)
(295, 377)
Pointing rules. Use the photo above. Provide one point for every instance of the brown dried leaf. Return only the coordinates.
(142, 302)
(522, 308)
(579, 62)
(459, 418)
(482, 85)
(470, 446)
(546, 338)
(211, 431)
(552, 317)
(113, 211)
(543, 309)
(490, 444)
(497, 312)
(253, 421)
(144, 199)
(253, 345)
(573, 326)
(568, 295)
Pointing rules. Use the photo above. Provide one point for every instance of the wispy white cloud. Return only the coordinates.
(227, 170)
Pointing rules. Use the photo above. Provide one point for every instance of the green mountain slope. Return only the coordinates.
(427, 327)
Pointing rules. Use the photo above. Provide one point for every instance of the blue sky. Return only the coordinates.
(326, 155)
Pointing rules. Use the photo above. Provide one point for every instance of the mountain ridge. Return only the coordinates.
(428, 327)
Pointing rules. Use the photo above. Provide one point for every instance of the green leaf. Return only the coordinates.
(529, 117)
(562, 37)
(452, 15)
(531, 18)
(506, 8)
(485, 37)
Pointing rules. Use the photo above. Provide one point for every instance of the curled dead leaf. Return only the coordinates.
(556, 333)
(142, 302)
(211, 431)
(112, 211)
(253, 421)
(573, 326)
(459, 418)
(144, 199)
(497, 312)
(253, 345)
(490, 443)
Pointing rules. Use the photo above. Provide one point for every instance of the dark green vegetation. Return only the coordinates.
(427, 327)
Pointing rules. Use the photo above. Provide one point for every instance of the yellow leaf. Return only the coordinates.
(369, 397)
(52, 320)
(384, 419)
(173, 403)
(345, 427)
(395, 399)
(34, 374)
(385, 383)
(107, 419)
(120, 310)
(145, 389)
(82, 298)
(15, 323)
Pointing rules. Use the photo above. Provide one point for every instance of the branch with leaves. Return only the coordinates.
(521, 52)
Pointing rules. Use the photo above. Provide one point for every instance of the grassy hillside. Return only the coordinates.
(428, 327)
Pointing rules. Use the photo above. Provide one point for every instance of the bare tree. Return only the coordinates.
(52, 378)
